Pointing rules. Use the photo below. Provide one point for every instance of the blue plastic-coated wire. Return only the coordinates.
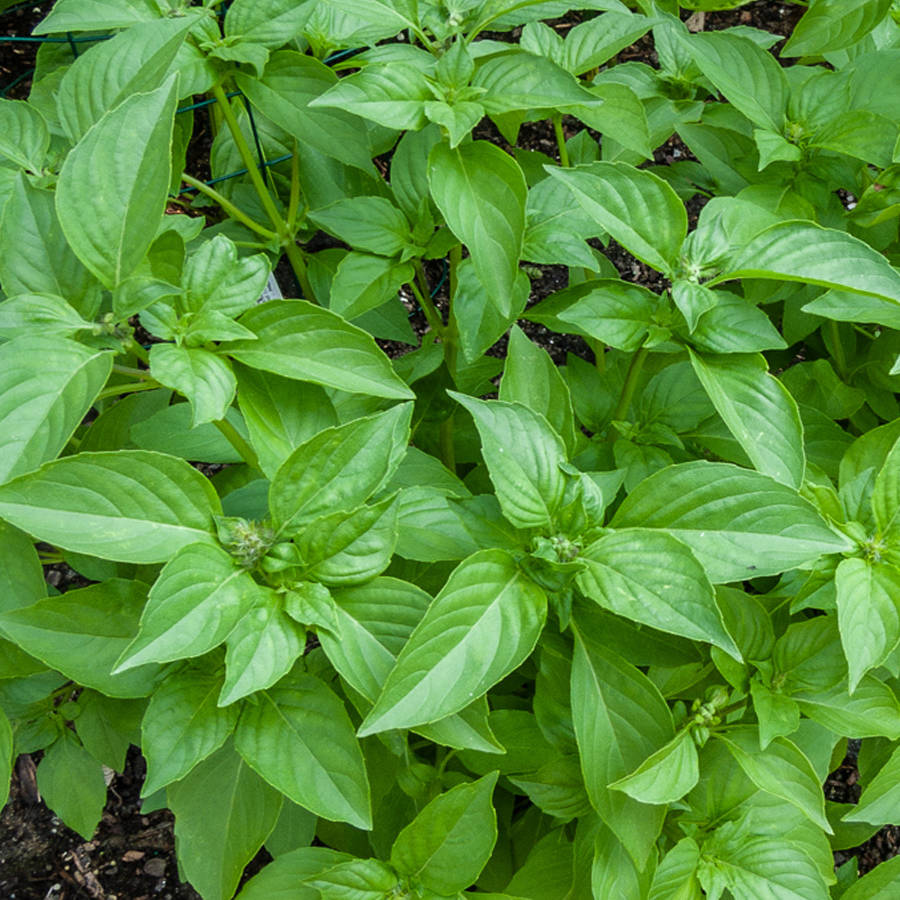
(208, 102)
(212, 181)
(72, 45)
(12, 84)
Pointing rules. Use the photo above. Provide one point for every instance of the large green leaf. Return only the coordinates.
(297, 339)
(280, 414)
(24, 136)
(285, 93)
(739, 523)
(34, 254)
(748, 76)
(268, 22)
(523, 455)
(300, 739)
(758, 410)
(620, 717)
(21, 575)
(95, 15)
(134, 61)
(82, 633)
(871, 711)
(834, 25)
(127, 505)
(878, 803)
(781, 769)
(868, 613)
(283, 879)
(223, 813)
(481, 192)
(483, 623)
(46, 387)
(652, 578)
(806, 252)
(339, 468)
(199, 597)
(182, 726)
(113, 185)
(755, 865)
(640, 210)
(448, 843)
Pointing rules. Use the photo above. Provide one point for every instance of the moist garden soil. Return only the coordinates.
(132, 854)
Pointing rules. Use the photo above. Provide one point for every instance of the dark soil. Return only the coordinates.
(131, 857)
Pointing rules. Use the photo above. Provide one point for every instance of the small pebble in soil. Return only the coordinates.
(155, 867)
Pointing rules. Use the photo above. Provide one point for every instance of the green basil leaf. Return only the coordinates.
(47, 385)
(739, 523)
(524, 457)
(199, 597)
(271, 23)
(127, 505)
(868, 615)
(640, 210)
(217, 279)
(182, 726)
(24, 136)
(77, 801)
(803, 251)
(830, 25)
(339, 468)
(781, 770)
(871, 711)
(619, 717)
(300, 739)
(373, 224)
(203, 377)
(95, 15)
(481, 192)
(480, 627)
(223, 814)
(652, 578)
(283, 879)
(758, 410)
(111, 231)
(449, 842)
(261, 649)
(664, 776)
(297, 339)
(83, 632)
(132, 62)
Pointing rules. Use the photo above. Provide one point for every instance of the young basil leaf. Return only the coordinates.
(480, 627)
(665, 776)
(217, 280)
(282, 879)
(833, 25)
(271, 23)
(128, 505)
(362, 879)
(203, 377)
(523, 455)
(449, 842)
(200, 596)
(339, 468)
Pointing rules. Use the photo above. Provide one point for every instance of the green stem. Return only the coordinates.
(250, 163)
(130, 388)
(631, 380)
(294, 200)
(455, 260)
(840, 358)
(295, 258)
(139, 352)
(448, 452)
(561, 142)
(229, 207)
(239, 442)
(599, 350)
(428, 307)
(135, 373)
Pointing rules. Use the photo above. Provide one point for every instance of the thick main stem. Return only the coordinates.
(631, 380)
(239, 442)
